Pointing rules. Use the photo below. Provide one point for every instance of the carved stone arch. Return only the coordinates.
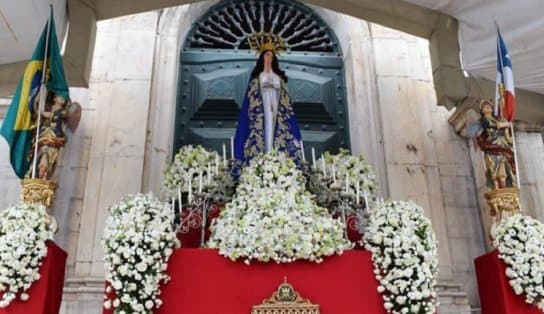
(228, 25)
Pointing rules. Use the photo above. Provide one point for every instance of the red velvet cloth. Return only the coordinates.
(496, 295)
(191, 239)
(46, 293)
(203, 282)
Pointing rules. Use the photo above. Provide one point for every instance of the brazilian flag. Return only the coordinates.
(20, 124)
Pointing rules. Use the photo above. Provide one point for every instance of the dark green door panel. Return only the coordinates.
(212, 82)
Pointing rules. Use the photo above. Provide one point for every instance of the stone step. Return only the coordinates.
(452, 299)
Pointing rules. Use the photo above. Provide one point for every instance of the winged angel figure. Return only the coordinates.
(492, 135)
(58, 117)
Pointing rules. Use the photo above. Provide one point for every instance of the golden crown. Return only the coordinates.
(266, 41)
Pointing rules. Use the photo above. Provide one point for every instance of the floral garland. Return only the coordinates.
(273, 217)
(520, 241)
(23, 232)
(188, 164)
(335, 168)
(138, 241)
(404, 253)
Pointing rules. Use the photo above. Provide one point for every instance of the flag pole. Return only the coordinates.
(502, 108)
(501, 99)
(41, 101)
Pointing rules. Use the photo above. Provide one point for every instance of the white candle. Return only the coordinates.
(179, 197)
(173, 208)
(302, 150)
(323, 166)
(367, 206)
(232, 147)
(347, 182)
(209, 173)
(224, 153)
(200, 182)
(190, 198)
(313, 156)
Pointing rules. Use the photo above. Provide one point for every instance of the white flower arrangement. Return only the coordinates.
(335, 168)
(404, 254)
(520, 241)
(138, 240)
(23, 232)
(189, 164)
(273, 217)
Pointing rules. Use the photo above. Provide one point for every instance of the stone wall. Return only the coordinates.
(127, 127)
(424, 160)
(118, 94)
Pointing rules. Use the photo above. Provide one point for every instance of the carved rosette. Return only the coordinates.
(40, 191)
(285, 300)
(503, 202)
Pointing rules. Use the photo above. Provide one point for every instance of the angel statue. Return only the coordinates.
(267, 119)
(57, 116)
(494, 139)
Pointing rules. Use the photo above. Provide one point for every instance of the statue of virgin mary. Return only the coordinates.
(267, 119)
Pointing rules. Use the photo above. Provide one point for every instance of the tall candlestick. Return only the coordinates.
(200, 182)
(347, 182)
(173, 208)
(367, 206)
(209, 174)
(190, 197)
(313, 156)
(232, 147)
(323, 166)
(179, 197)
(302, 150)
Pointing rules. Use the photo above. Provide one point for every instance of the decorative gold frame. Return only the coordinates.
(42, 192)
(38, 191)
(285, 300)
(503, 202)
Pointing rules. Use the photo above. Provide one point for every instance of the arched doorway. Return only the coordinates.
(215, 64)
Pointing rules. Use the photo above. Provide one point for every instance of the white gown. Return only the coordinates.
(270, 90)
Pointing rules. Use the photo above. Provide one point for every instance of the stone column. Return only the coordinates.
(406, 95)
(173, 26)
(119, 90)
(364, 120)
(422, 161)
(530, 154)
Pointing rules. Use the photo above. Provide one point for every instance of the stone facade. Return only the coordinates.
(127, 127)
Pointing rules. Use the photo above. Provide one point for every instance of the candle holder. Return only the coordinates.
(193, 215)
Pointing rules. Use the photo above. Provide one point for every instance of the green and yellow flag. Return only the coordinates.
(19, 123)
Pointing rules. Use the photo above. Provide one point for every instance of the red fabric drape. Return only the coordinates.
(203, 282)
(46, 293)
(496, 295)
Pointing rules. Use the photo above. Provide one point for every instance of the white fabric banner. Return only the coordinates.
(522, 27)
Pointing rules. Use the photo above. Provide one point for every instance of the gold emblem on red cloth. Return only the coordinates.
(285, 300)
